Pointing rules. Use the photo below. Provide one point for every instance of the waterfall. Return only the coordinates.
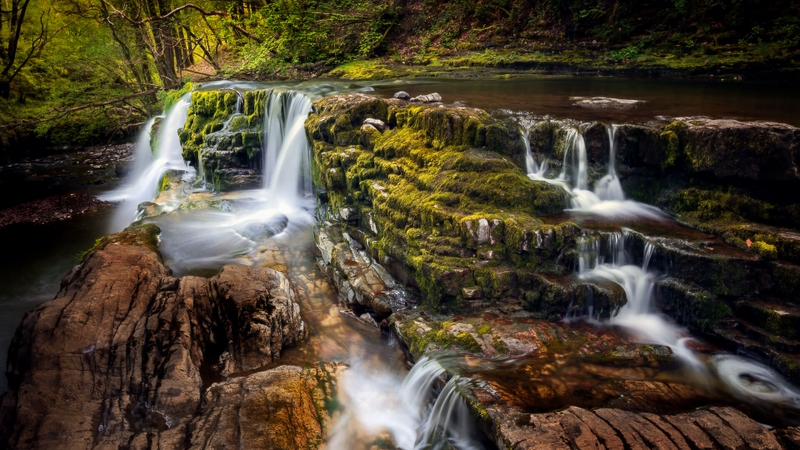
(426, 412)
(150, 165)
(744, 378)
(609, 188)
(607, 198)
(639, 314)
(287, 164)
(534, 170)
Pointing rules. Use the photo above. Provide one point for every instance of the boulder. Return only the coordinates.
(123, 355)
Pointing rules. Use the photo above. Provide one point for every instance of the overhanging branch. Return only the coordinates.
(64, 112)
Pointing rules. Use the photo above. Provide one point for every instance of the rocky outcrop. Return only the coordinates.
(128, 356)
(223, 136)
(436, 199)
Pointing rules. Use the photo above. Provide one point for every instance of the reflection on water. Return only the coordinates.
(34, 260)
(674, 98)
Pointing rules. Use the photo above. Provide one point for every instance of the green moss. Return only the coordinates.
(362, 70)
(164, 185)
(765, 250)
(142, 235)
(478, 411)
(467, 342)
(500, 346)
(169, 98)
(673, 150)
(709, 311)
(484, 329)
(422, 180)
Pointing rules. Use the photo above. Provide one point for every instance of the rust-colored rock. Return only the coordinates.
(121, 356)
(611, 428)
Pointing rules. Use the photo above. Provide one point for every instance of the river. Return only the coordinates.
(272, 227)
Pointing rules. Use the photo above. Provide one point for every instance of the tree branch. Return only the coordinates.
(166, 16)
(63, 113)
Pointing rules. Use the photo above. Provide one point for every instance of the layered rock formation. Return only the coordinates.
(127, 356)
(438, 200)
(223, 134)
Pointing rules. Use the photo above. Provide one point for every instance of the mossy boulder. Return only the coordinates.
(223, 134)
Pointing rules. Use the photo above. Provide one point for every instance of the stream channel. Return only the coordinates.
(273, 225)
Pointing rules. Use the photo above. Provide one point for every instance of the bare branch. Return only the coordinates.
(64, 112)
(186, 6)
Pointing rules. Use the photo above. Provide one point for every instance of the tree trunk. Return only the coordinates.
(5, 89)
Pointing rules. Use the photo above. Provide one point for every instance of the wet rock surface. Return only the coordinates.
(428, 198)
(609, 428)
(52, 176)
(127, 355)
(50, 210)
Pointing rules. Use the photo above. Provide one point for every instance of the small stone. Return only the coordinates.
(605, 102)
(367, 319)
(427, 98)
(472, 293)
(402, 95)
(348, 214)
(378, 124)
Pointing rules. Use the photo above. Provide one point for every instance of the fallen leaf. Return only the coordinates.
(749, 243)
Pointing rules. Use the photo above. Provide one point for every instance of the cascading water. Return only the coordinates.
(426, 412)
(744, 378)
(607, 199)
(534, 169)
(639, 313)
(150, 165)
(280, 209)
(287, 166)
(609, 188)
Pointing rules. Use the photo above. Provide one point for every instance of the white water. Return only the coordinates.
(150, 165)
(419, 411)
(287, 165)
(247, 220)
(531, 165)
(746, 379)
(607, 199)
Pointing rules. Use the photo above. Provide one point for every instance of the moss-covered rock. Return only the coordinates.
(222, 136)
(440, 190)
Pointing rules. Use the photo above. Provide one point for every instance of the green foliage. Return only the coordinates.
(168, 98)
(627, 53)
(307, 32)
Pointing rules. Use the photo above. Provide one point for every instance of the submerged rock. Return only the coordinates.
(605, 102)
(402, 95)
(123, 355)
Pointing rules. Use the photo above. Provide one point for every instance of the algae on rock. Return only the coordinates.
(441, 192)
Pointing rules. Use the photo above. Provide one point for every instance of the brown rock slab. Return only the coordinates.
(122, 355)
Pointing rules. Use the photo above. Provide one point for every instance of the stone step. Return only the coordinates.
(782, 354)
(778, 320)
